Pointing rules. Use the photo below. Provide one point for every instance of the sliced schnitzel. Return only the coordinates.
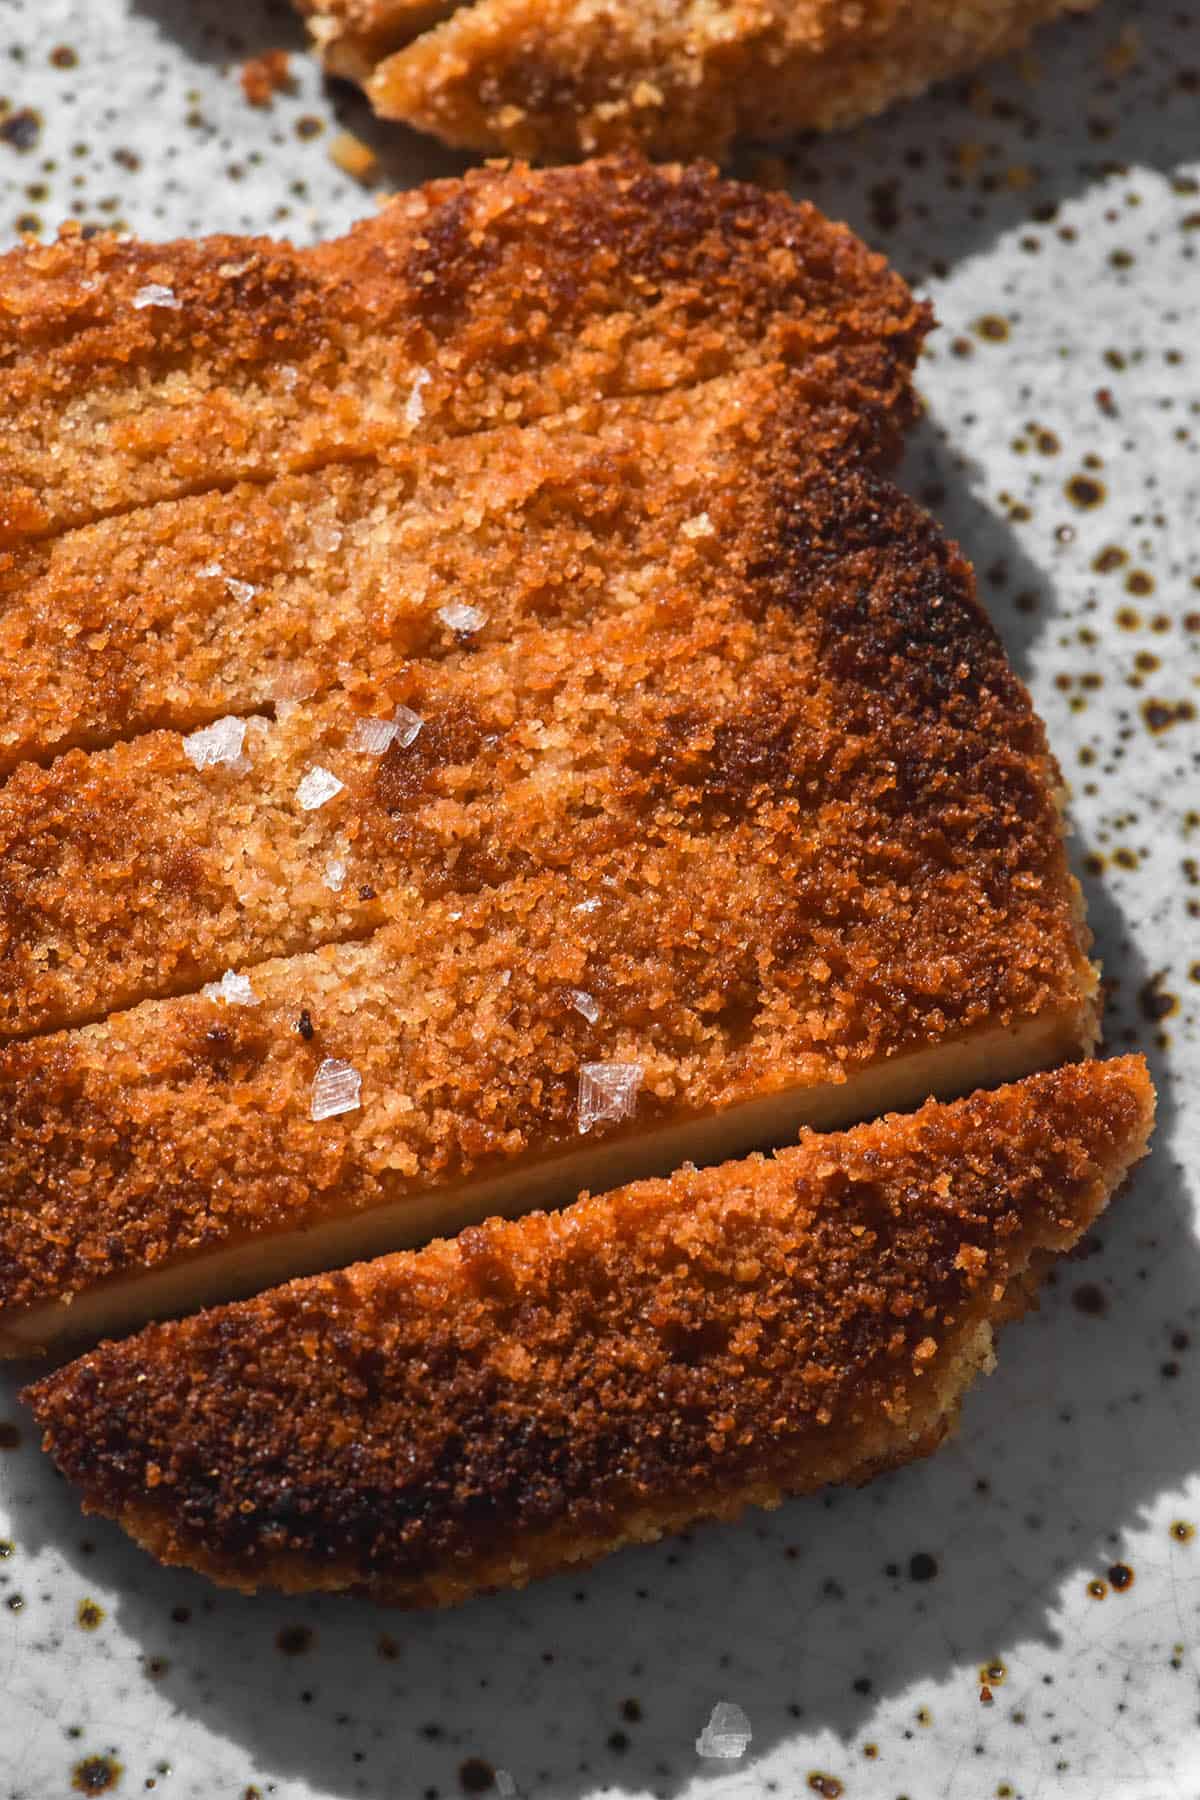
(645, 728)
(535, 1394)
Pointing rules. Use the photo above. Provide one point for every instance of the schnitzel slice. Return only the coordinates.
(133, 372)
(175, 614)
(554, 79)
(530, 1396)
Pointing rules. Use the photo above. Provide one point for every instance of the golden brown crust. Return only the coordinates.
(557, 79)
(811, 829)
(186, 367)
(496, 1407)
(174, 614)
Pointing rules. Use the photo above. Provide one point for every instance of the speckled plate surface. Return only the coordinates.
(1019, 1616)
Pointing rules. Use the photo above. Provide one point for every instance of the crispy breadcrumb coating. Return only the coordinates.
(651, 656)
(133, 372)
(534, 1394)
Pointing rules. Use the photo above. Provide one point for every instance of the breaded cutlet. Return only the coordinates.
(532, 1395)
(561, 79)
(762, 826)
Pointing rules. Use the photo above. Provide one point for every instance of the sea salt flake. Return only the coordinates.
(584, 1003)
(316, 787)
(458, 616)
(371, 737)
(408, 726)
(231, 990)
(210, 570)
(699, 527)
(240, 590)
(335, 875)
(336, 1088)
(587, 905)
(220, 742)
(608, 1091)
(155, 294)
(414, 406)
(727, 1733)
(327, 538)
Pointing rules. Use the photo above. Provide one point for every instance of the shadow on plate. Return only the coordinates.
(932, 181)
(212, 31)
(809, 1618)
(937, 180)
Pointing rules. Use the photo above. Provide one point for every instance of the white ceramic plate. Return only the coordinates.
(1050, 211)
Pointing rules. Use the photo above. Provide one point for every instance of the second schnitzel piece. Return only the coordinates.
(554, 79)
(533, 1395)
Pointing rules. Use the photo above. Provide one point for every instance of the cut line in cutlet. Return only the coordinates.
(748, 645)
(133, 372)
(827, 879)
(532, 1395)
(175, 614)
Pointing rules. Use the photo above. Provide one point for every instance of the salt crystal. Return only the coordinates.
(327, 538)
(587, 905)
(289, 375)
(241, 590)
(584, 1003)
(220, 742)
(414, 408)
(336, 1088)
(316, 787)
(371, 737)
(231, 990)
(607, 1092)
(408, 726)
(155, 294)
(699, 527)
(458, 616)
(209, 570)
(727, 1733)
(335, 875)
